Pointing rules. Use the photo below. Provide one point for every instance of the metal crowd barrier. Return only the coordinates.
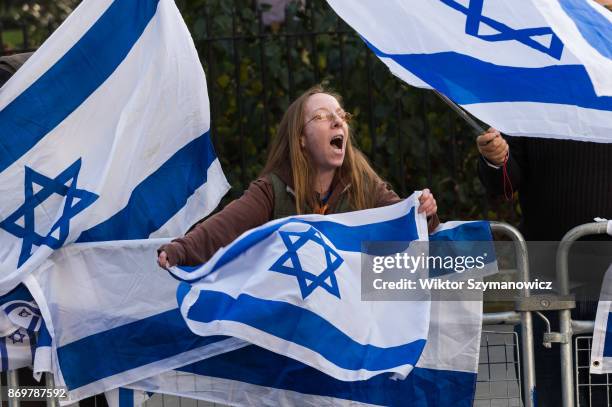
(568, 327)
(498, 382)
(589, 385)
(520, 317)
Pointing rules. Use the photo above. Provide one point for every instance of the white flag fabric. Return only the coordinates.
(19, 310)
(586, 28)
(122, 397)
(292, 286)
(105, 135)
(500, 60)
(601, 350)
(17, 349)
(20, 320)
(251, 376)
(112, 318)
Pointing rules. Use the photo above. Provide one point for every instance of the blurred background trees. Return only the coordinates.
(26, 24)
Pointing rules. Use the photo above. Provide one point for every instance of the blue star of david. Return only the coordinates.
(307, 281)
(525, 36)
(17, 337)
(65, 184)
(24, 313)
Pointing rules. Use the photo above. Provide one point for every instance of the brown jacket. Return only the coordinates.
(254, 208)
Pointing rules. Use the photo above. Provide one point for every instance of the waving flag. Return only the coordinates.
(105, 138)
(586, 28)
(445, 373)
(17, 350)
(111, 317)
(105, 135)
(20, 320)
(292, 286)
(500, 60)
(140, 335)
(444, 376)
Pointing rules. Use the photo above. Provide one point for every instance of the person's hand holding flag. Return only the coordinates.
(493, 146)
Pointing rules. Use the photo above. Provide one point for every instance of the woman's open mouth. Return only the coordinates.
(337, 142)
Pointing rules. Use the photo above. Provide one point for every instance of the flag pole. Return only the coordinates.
(475, 126)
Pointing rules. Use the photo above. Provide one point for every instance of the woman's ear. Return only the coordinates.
(302, 142)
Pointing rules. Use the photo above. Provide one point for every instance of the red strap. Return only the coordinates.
(508, 190)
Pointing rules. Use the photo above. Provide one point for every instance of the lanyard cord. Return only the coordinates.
(508, 190)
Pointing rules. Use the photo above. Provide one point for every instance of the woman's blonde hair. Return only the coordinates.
(286, 148)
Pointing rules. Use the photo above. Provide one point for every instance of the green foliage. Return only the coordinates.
(29, 22)
(253, 72)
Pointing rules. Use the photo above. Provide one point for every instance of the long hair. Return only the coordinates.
(286, 148)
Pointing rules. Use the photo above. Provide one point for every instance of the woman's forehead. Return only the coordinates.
(321, 101)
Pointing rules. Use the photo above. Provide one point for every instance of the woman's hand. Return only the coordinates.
(427, 203)
(162, 260)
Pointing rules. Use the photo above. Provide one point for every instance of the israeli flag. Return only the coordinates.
(105, 135)
(586, 27)
(19, 311)
(20, 320)
(114, 322)
(601, 351)
(500, 60)
(444, 376)
(111, 317)
(17, 349)
(292, 286)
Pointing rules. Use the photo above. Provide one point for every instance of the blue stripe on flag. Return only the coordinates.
(126, 397)
(44, 338)
(464, 240)
(149, 207)
(19, 293)
(326, 339)
(477, 81)
(3, 355)
(346, 238)
(126, 347)
(422, 387)
(607, 350)
(60, 90)
(594, 27)
(14, 306)
(465, 232)
(35, 317)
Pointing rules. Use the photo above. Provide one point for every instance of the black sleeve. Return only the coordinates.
(493, 179)
(4, 76)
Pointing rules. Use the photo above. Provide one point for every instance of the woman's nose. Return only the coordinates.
(336, 121)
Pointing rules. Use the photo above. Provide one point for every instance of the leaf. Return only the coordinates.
(223, 80)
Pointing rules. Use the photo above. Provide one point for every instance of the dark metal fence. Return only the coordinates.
(254, 69)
